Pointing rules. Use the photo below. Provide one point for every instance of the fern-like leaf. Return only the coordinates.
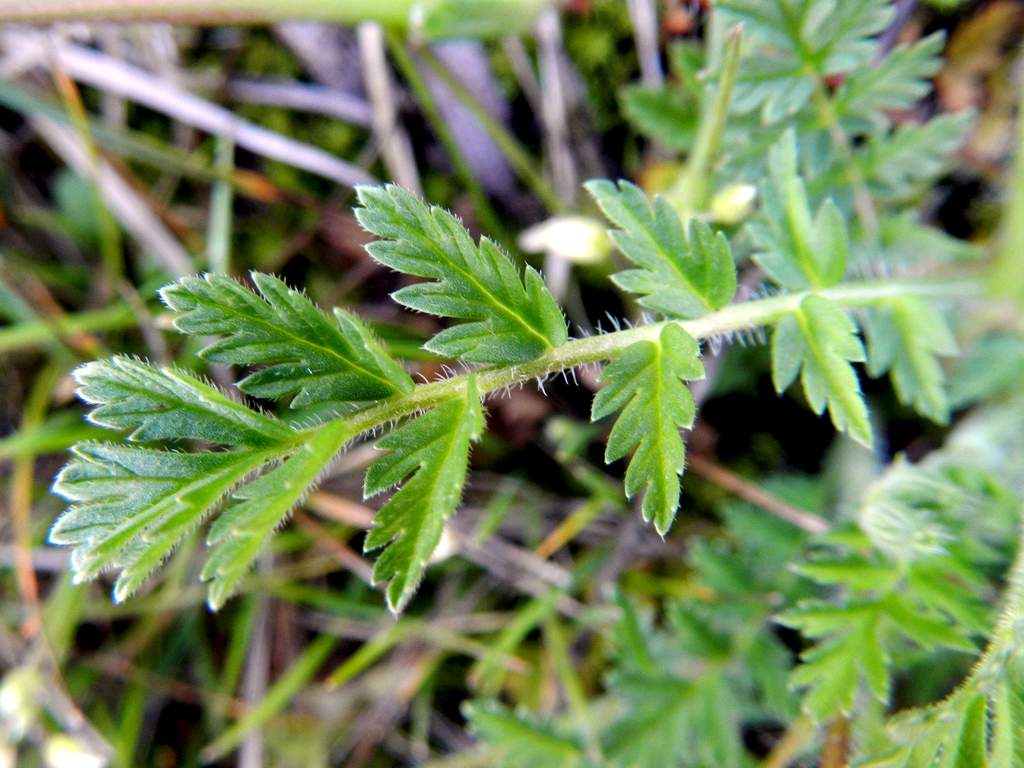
(680, 274)
(898, 82)
(821, 37)
(512, 317)
(168, 404)
(645, 382)
(307, 354)
(796, 249)
(899, 164)
(260, 507)
(429, 454)
(132, 505)
(905, 336)
(819, 341)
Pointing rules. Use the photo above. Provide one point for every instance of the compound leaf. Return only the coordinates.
(796, 249)
(512, 317)
(307, 354)
(260, 507)
(819, 341)
(905, 336)
(429, 454)
(168, 404)
(645, 382)
(132, 505)
(898, 82)
(681, 274)
(816, 37)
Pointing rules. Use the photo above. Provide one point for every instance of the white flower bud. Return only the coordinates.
(62, 751)
(578, 239)
(733, 204)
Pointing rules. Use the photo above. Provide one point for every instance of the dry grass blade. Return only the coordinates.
(123, 202)
(129, 82)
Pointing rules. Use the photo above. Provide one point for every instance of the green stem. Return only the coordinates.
(489, 219)
(116, 317)
(218, 239)
(595, 349)
(1008, 270)
(395, 12)
(558, 647)
(516, 154)
(690, 192)
(431, 19)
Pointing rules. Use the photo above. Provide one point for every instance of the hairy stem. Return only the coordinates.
(595, 349)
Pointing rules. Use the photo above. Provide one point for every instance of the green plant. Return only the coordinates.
(904, 582)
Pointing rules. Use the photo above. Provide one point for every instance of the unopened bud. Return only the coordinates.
(62, 751)
(733, 204)
(577, 239)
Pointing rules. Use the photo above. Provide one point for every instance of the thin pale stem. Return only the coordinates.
(596, 349)
(689, 193)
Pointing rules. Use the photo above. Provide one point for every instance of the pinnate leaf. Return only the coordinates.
(428, 456)
(822, 37)
(132, 505)
(260, 507)
(798, 250)
(905, 336)
(646, 384)
(818, 341)
(306, 353)
(512, 317)
(680, 274)
(168, 404)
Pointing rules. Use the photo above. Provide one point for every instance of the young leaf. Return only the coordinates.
(429, 454)
(897, 165)
(680, 274)
(904, 338)
(306, 353)
(512, 318)
(818, 341)
(645, 382)
(898, 82)
(796, 250)
(797, 43)
(167, 404)
(131, 506)
(259, 508)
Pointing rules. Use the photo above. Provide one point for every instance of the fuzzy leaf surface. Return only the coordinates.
(680, 274)
(512, 317)
(306, 354)
(905, 338)
(168, 404)
(798, 250)
(819, 342)
(645, 383)
(428, 457)
(130, 506)
(259, 508)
